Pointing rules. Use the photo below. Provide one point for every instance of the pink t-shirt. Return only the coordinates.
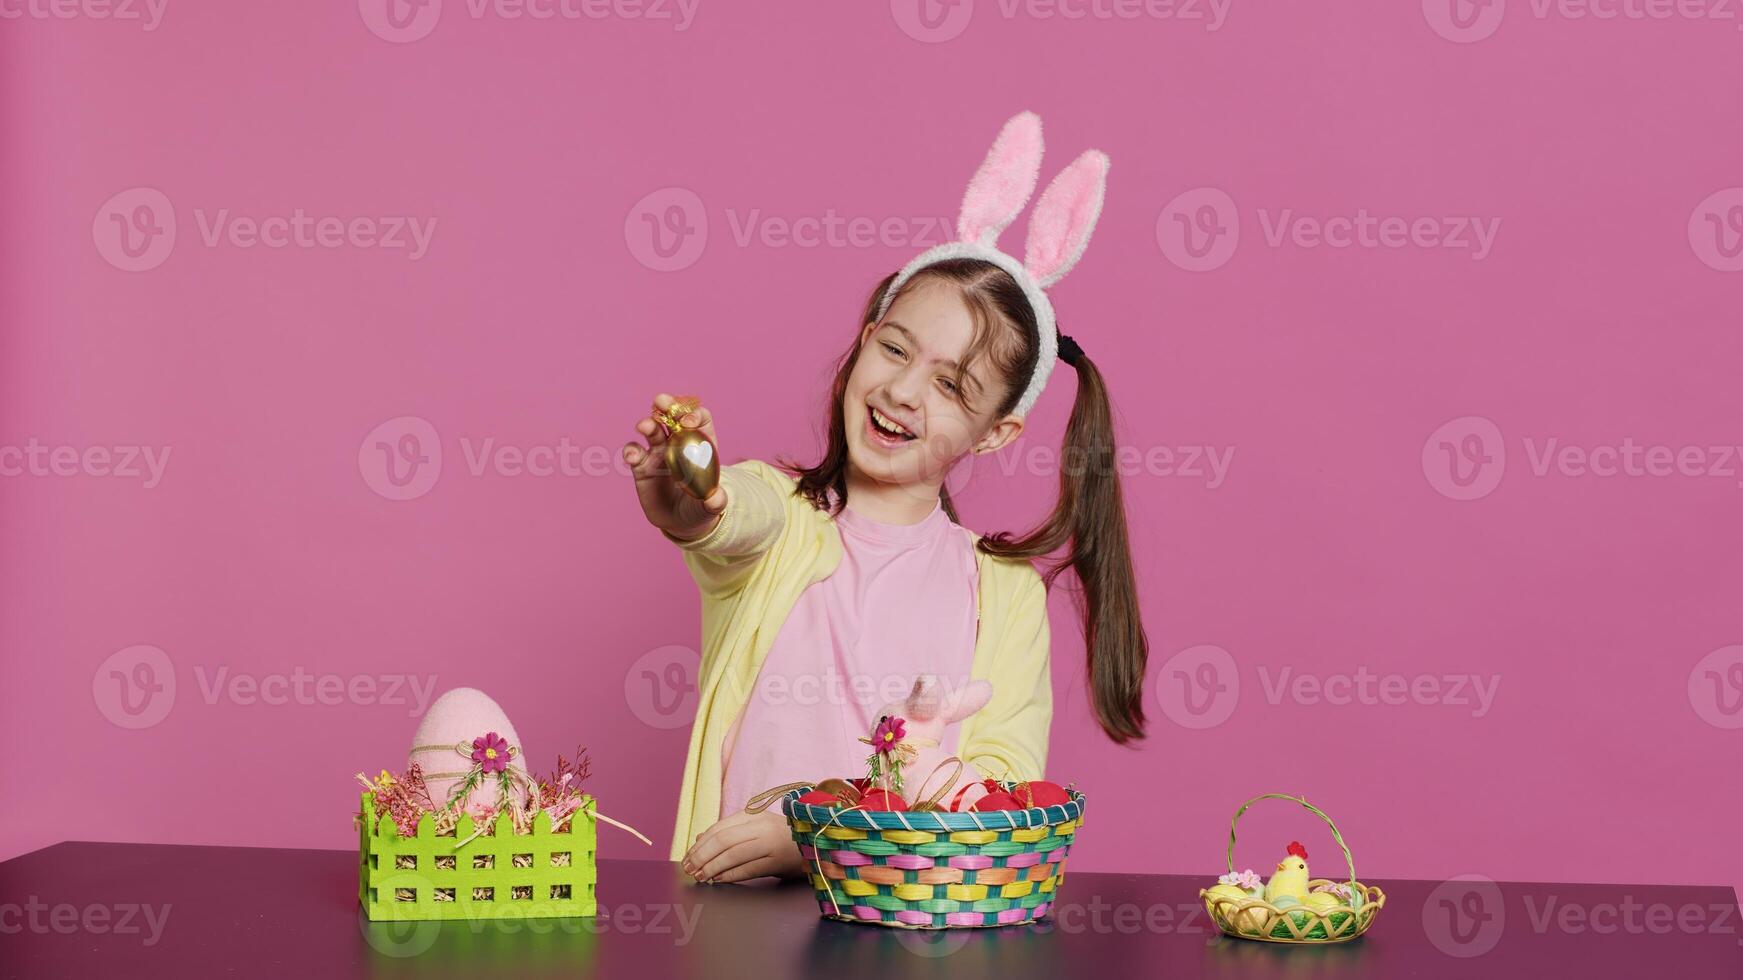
(903, 602)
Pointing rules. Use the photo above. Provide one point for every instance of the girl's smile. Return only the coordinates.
(887, 432)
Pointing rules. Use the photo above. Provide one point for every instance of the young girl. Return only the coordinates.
(817, 580)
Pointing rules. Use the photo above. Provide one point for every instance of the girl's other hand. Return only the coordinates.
(666, 504)
(744, 846)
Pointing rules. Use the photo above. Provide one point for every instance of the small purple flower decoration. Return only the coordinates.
(889, 732)
(1247, 880)
(490, 752)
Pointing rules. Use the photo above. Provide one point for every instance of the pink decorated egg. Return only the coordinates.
(443, 745)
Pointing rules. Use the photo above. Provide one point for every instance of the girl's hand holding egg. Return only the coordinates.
(665, 501)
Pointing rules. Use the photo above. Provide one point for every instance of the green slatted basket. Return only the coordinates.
(934, 869)
(544, 874)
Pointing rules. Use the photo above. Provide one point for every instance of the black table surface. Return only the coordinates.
(83, 909)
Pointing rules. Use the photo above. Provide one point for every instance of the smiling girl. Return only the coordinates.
(826, 588)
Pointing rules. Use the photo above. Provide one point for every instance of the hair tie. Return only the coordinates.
(1069, 352)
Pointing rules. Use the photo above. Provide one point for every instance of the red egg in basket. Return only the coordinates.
(881, 799)
(996, 801)
(1040, 792)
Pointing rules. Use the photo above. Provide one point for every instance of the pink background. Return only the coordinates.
(1609, 752)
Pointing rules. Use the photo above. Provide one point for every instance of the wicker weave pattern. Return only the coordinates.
(879, 867)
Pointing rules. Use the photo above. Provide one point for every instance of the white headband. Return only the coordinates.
(1059, 228)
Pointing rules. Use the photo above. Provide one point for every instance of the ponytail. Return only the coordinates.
(1091, 516)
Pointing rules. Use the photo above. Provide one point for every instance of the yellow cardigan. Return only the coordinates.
(769, 545)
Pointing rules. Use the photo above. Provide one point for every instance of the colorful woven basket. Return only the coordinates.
(1255, 918)
(934, 869)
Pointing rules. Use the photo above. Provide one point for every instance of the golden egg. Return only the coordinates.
(1231, 896)
(692, 461)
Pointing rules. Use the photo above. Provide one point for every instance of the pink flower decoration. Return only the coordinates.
(490, 752)
(889, 732)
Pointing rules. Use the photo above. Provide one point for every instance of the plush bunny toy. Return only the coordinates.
(930, 708)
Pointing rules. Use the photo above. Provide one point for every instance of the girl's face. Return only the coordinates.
(909, 415)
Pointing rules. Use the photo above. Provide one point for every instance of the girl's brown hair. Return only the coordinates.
(1090, 515)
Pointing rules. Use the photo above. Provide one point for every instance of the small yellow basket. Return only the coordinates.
(1257, 919)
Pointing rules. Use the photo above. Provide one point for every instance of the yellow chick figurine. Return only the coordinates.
(1290, 881)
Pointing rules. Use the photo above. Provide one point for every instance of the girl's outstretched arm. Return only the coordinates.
(721, 558)
(722, 535)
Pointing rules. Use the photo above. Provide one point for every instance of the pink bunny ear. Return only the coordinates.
(971, 698)
(1063, 219)
(923, 701)
(1002, 185)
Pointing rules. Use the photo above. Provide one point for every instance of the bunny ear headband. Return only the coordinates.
(1059, 231)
